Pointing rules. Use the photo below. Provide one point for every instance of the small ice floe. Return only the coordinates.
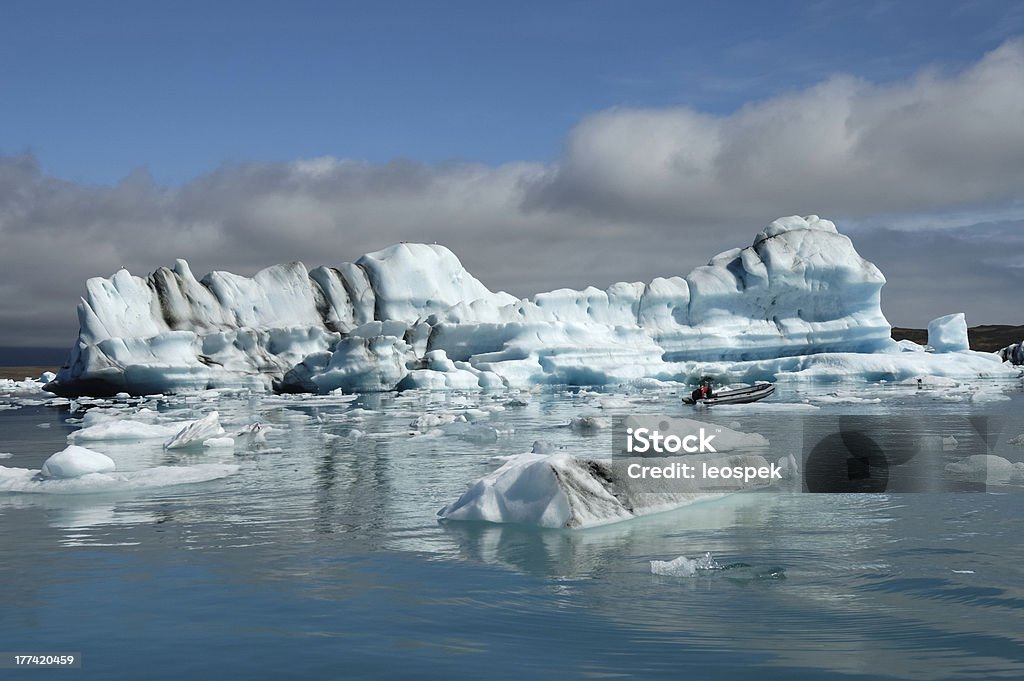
(1016, 441)
(987, 468)
(589, 424)
(474, 432)
(220, 442)
(706, 565)
(962, 572)
(788, 467)
(196, 433)
(430, 421)
(763, 407)
(74, 462)
(945, 443)
(252, 435)
(988, 395)
(5, 455)
(28, 481)
(615, 404)
(539, 447)
(683, 566)
(840, 397)
(125, 429)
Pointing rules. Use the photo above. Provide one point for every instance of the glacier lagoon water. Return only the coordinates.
(322, 558)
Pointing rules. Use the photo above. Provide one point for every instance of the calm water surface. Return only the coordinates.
(322, 557)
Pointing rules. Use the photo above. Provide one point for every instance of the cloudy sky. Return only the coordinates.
(548, 144)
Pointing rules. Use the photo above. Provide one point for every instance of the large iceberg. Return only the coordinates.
(411, 316)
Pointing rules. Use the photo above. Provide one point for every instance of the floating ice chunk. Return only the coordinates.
(938, 443)
(1017, 441)
(762, 407)
(589, 424)
(560, 490)
(74, 462)
(949, 333)
(683, 566)
(197, 432)
(529, 489)
(989, 396)
(789, 467)
(219, 442)
(427, 422)
(1014, 354)
(541, 447)
(987, 468)
(5, 455)
(123, 429)
(254, 434)
(473, 432)
(25, 480)
(840, 397)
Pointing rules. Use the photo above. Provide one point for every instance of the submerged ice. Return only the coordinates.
(798, 301)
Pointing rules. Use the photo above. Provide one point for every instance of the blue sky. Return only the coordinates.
(98, 89)
(549, 144)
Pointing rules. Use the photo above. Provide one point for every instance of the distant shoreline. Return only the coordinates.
(984, 338)
(20, 373)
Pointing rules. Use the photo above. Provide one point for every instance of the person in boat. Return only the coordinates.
(704, 391)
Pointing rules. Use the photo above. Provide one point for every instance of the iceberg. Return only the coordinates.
(798, 302)
(949, 333)
(1014, 354)
(559, 490)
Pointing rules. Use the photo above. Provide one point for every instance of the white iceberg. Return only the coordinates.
(799, 303)
(949, 333)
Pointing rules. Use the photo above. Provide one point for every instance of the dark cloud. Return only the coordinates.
(636, 194)
(972, 268)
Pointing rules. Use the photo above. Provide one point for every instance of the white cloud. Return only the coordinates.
(637, 193)
(844, 147)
